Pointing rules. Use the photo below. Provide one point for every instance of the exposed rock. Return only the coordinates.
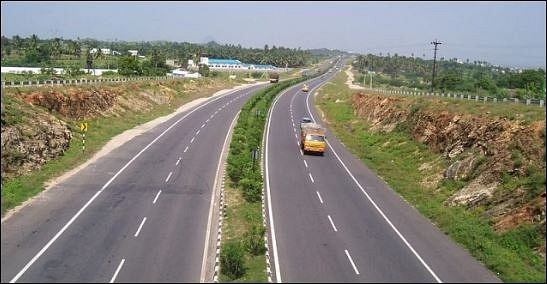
(27, 147)
(486, 147)
(474, 194)
(461, 170)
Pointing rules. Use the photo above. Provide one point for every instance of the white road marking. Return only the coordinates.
(351, 261)
(117, 271)
(140, 227)
(156, 198)
(332, 223)
(319, 195)
(377, 207)
(65, 227)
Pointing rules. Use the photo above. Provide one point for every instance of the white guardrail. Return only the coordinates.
(39, 83)
(468, 97)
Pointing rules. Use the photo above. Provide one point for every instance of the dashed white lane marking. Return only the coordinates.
(168, 176)
(117, 271)
(140, 227)
(332, 223)
(311, 177)
(351, 261)
(319, 196)
(156, 198)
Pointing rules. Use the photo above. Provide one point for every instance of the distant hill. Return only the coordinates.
(327, 52)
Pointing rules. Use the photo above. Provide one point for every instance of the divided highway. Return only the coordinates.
(138, 214)
(142, 213)
(331, 219)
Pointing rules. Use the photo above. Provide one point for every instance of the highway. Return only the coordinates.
(143, 212)
(140, 214)
(331, 219)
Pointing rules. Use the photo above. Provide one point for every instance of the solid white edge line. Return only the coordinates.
(267, 184)
(212, 204)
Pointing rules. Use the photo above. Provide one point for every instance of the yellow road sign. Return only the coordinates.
(83, 126)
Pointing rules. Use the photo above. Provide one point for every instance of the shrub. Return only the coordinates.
(232, 262)
(254, 240)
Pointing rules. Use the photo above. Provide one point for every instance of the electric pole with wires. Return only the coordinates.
(434, 61)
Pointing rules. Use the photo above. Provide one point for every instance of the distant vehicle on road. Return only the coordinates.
(305, 88)
(274, 77)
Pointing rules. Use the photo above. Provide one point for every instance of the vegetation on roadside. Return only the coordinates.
(151, 58)
(397, 158)
(452, 75)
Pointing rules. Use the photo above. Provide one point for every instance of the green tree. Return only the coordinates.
(128, 65)
(203, 70)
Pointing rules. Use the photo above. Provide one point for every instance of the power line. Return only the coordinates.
(434, 60)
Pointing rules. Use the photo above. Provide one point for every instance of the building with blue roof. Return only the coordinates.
(233, 64)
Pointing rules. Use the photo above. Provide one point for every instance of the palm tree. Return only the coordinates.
(89, 60)
(75, 48)
(34, 42)
(56, 47)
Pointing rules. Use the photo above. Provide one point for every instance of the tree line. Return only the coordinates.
(477, 77)
(76, 54)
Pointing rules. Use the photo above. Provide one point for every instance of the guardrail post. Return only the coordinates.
(541, 103)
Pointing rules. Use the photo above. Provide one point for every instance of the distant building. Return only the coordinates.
(133, 52)
(261, 67)
(105, 51)
(184, 73)
(230, 64)
(171, 62)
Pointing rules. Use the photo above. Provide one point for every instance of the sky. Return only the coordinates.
(509, 34)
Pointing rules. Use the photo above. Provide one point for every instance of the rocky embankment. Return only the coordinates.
(480, 150)
(38, 123)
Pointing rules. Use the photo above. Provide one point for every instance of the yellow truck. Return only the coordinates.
(312, 138)
(274, 77)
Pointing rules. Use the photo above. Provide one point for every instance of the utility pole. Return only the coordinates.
(434, 61)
